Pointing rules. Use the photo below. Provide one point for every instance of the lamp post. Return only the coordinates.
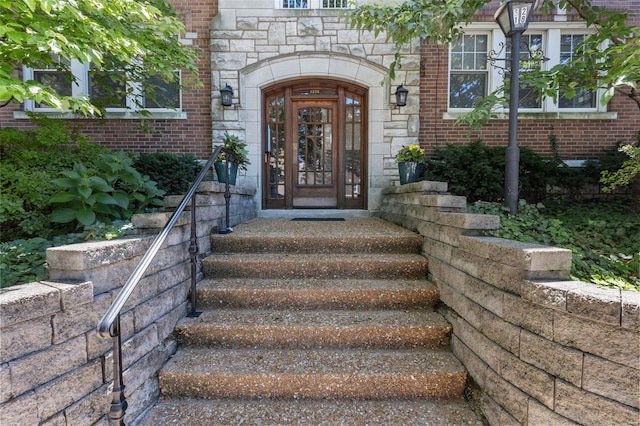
(513, 17)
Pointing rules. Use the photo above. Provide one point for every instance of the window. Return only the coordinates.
(107, 89)
(569, 49)
(469, 74)
(530, 55)
(312, 4)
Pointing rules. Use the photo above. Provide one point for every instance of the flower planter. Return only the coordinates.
(221, 172)
(410, 171)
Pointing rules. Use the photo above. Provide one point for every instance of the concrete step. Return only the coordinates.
(290, 236)
(316, 294)
(319, 266)
(288, 329)
(313, 374)
(198, 412)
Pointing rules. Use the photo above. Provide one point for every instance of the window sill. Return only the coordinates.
(545, 116)
(114, 115)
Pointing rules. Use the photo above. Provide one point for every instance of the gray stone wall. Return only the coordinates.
(543, 349)
(54, 369)
(254, 45)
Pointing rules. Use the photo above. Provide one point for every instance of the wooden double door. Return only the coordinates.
(314, 146)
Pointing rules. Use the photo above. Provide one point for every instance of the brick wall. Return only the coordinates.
(544, 350)
(54, 369)
(190, 136)
(577, 139)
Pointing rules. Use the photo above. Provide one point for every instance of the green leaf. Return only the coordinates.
(103, 198)
(85, 191)
(86, 217)
(63, 215)
(62, 197)
(100, 184)
(122, 199)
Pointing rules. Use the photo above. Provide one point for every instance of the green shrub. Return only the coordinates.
(24, 261)
(603, 237)
(172, 173)
(113, 189)
(31, 159)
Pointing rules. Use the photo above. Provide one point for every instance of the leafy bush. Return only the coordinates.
(24, 260)
(31, 159)
(603, 237)
(113, 189)
(172, 173)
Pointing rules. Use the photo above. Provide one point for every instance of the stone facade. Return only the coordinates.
(255, 45)
(54, 369)
(543, 349)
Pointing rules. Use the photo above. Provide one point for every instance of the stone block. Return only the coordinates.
(484, 348)
(529, 379)
(79, 319)
(552, 294)
(495, 414)
(89, 409)
(65, 390)
(25, 302)
(468, 221)
(55, 420)
(534, 318)
(167, 323)
(133, 349)
(487, 296)
(612, 380)
(39, 368)
(141, 399)
(613, 343)
(512, 399)
(588, 409)
(6, 391)
(72, 295)
(444, 201)
(503, 333)
(23, 338)
(630, 309)
(20, 411)
(595, 302)
(476, 367)
(433, 248)
(541, 415)
(551, 357)
(149, 312)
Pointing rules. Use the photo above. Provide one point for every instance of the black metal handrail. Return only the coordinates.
(109, 325)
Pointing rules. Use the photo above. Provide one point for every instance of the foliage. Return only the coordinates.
(610, 59)
(172, 173)
(402, 22)
(136, 38)
(237, 151)
(31, 159)
(604, 237)
(112, 190)
(477, 171)
(24, 260)
(626, 173)
(411, 153)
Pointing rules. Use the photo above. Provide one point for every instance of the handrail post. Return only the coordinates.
(118, 401)
(193, 253)
(227, 195)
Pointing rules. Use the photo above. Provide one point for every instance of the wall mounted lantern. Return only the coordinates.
(226, 95)
(401, 96)
(513, 17)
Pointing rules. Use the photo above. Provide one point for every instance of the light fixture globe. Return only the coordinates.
(514, 15)
(226, 95)
(401, 96)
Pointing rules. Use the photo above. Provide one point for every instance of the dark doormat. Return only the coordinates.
(319, 219)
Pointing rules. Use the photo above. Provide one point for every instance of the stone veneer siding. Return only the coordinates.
(54, 369)
(254, 45)
(543, 349)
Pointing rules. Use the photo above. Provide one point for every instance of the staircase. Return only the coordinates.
(314, 323)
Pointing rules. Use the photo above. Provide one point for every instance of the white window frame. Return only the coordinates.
(80, 88)
(490, 83)
(311, 4)
(551, 49)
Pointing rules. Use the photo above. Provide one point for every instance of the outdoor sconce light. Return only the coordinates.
(226, 95)
(401, 96)
(513, 16)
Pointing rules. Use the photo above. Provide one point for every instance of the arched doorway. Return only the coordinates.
(314, 145)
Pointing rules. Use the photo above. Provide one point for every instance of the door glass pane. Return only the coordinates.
(352, 184)
(315, 146)
(275, 147)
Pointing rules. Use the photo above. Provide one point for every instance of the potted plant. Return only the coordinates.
(411, 163)
(235, 152)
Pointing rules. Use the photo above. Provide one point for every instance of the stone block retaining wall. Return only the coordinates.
(544, 350)
(54, 369)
